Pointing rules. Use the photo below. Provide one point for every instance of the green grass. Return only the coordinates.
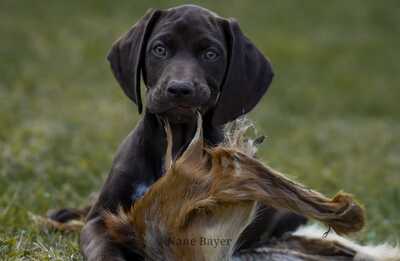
(332, 115)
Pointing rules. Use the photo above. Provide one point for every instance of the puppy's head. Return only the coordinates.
(191, 60)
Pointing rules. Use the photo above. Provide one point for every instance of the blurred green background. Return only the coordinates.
(331, 115)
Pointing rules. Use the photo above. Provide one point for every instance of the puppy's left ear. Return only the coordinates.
(247, 77)
(126, 56)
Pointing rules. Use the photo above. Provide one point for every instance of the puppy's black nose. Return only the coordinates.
(178, 89)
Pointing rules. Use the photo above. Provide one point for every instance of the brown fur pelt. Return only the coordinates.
(210, 193)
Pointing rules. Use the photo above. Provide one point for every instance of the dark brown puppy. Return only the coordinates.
(190, 60)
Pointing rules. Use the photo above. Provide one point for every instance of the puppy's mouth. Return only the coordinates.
(185, 108)
(181, 113)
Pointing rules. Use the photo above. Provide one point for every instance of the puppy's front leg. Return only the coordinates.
(96, 245)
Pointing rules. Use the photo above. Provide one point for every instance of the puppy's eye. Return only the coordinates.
(210, 55)
(160, 50)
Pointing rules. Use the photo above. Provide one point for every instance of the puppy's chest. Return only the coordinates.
(140, 189)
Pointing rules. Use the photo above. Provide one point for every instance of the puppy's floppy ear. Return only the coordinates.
(247, 77)
(127, 53)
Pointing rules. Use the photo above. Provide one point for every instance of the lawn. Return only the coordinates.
(331, 117)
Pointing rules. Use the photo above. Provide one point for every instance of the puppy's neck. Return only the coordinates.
(182, 133)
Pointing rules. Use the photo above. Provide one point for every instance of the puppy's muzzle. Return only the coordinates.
(180, 90)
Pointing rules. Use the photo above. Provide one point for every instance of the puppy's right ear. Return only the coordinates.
(247, 77)
(127, 53)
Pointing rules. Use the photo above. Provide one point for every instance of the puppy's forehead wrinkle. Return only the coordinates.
(183, 18)
(192, 10)
(191, 7)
